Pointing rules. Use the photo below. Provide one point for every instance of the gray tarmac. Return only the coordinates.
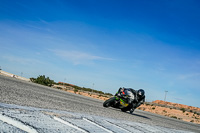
(29, 107)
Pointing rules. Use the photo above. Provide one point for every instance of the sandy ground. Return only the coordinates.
(173, 113)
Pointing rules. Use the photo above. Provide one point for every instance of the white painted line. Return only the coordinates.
(17, 124)
(118, 127)
(69, 124)
(109, 131)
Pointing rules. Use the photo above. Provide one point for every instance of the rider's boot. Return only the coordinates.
(132, 110)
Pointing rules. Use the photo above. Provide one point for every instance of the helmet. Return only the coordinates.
(140, 92)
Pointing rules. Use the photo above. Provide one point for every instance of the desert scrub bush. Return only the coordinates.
(183, 109)
(75, 90)
(187, 114)
(164, 111)
(109, 94)
(174, 117)
(59, 88)
(100, 95)
(41, 79)
(153, 108)
(192, 121)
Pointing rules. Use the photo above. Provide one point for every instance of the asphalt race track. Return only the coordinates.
(29, 107)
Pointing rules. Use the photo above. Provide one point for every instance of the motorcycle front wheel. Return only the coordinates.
(109, 102)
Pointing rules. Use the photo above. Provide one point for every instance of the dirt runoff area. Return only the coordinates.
(180, 114)
(84, 93)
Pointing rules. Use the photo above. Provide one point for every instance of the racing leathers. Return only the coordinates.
(133, 99)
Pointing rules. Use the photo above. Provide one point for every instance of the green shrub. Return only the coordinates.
(43, 80)
(109, 94)
(183, 109)
(59, 88)
(164, 111)
(153, 108)
(174, 117)
(75, 90)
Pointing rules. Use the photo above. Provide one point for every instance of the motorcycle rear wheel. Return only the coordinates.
(124, 109)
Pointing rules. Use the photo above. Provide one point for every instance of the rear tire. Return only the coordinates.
(124, 109)
(109, 102)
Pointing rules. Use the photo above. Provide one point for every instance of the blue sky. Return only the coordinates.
(154, 45)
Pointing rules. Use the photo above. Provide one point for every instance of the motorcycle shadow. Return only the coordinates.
(134, 114)
(142, 116)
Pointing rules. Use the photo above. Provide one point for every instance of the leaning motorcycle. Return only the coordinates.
(120, 102)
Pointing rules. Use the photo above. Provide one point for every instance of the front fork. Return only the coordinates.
(116, 101)
(117, 98)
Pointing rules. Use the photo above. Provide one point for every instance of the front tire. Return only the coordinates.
(109, 102)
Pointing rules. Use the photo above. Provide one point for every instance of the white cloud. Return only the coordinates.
(188, 76)
(21, 60)
(78, 57)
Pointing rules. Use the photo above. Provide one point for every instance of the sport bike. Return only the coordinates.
(120, 102)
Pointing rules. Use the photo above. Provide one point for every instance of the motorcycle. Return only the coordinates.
(120, 102)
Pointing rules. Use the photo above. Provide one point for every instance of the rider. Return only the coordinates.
(135, 97)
